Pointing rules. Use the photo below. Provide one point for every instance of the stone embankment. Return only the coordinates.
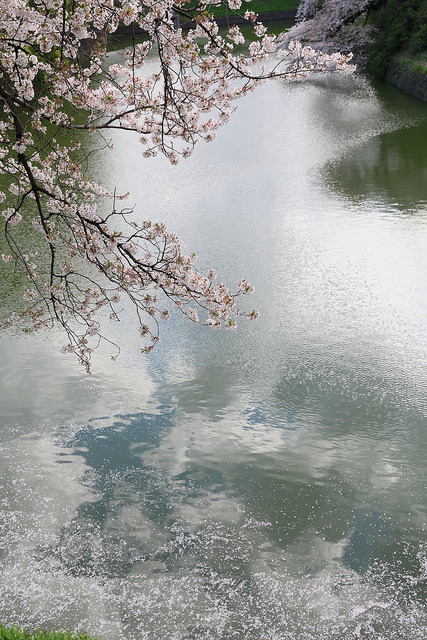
(408, 73)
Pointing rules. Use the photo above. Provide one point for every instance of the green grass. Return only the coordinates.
(263, 6)
(259, 6)
(16, 633)
(416, 62)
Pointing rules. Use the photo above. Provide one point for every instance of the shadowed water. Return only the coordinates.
(267, 483)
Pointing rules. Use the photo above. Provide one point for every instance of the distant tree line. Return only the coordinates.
(397, 24)
(400, 24)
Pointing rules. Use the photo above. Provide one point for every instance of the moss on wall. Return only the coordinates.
(408, 72)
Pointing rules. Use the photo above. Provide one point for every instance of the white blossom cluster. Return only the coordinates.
(55, 87)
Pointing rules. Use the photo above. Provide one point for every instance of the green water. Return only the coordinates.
(265, 483)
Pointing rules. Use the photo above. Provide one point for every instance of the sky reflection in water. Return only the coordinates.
(268, 483)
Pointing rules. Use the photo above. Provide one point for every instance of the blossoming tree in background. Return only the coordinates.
(55, 87)
(320, 21)
(341, 11)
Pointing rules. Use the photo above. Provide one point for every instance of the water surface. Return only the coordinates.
(265, 483)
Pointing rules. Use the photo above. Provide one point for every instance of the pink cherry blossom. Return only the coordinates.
(54, 88)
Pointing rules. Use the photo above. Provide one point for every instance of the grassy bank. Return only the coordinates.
(259, 6)
(408, 72)
(268, 10)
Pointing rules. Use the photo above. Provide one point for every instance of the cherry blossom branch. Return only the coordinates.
(55, 87)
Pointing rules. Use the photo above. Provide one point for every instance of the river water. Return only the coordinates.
(268, 483)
